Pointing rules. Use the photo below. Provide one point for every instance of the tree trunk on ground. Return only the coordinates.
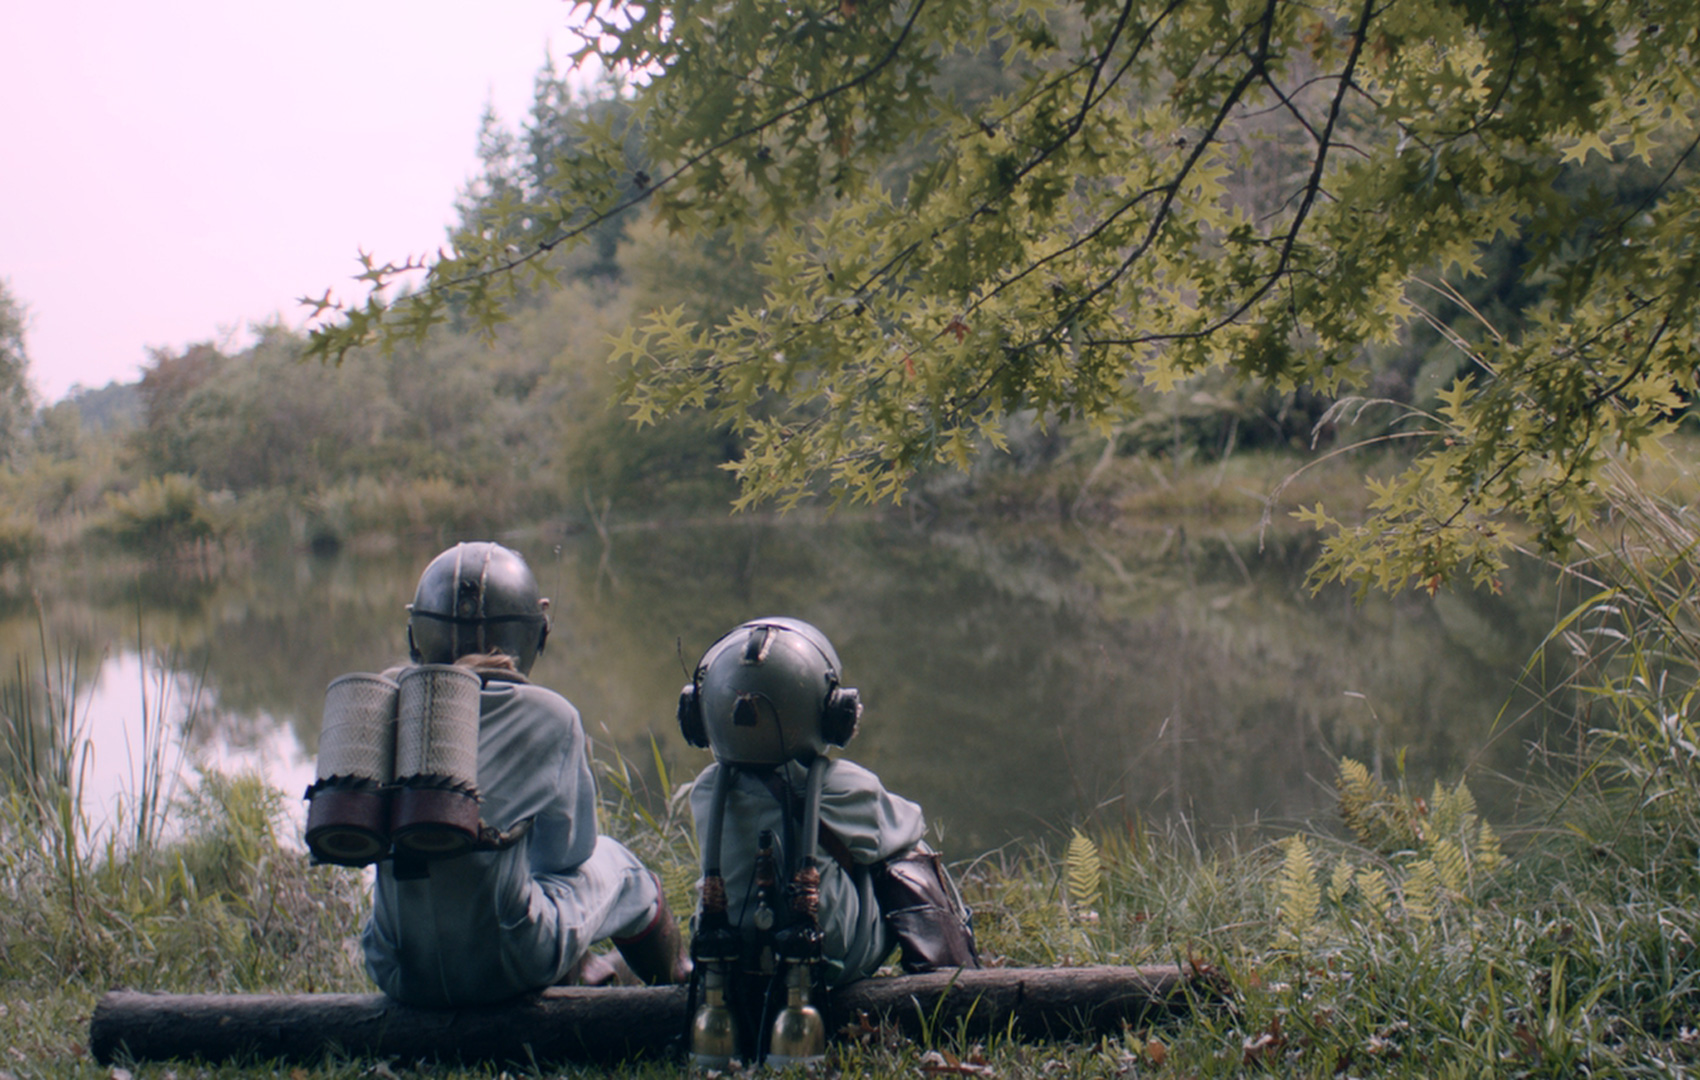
(604, 1024)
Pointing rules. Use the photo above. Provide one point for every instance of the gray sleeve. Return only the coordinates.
(873, 823)
(564, 833)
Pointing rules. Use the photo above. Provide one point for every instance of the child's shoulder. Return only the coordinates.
(845, 775)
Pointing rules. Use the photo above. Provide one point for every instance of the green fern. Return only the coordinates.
(1445, 829)
(1422, 892)
(1359, 793)
(1452, 813)
(679, 883)
(1441, 849)
(1340, 882)
(1300, 895)
(1373, 888)
(1378, 818)
(1450, 865)
(1084, 872)
(1488, 857)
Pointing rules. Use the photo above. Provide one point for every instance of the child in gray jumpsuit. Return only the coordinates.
(521, 913)
(768, 699)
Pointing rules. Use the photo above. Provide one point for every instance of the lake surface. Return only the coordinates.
(1017, 682)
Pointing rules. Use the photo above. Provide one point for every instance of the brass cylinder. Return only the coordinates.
(714, 1031)
(799, 1035)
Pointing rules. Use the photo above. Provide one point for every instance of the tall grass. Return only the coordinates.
(1418, 945)
(45, 754)
(1635, 640)
(648, 812)
(192, 892)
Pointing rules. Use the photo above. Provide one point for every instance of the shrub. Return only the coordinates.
(20, 537)
(162, 511)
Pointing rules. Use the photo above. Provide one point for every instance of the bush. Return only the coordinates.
(20, 537)
(162, 511)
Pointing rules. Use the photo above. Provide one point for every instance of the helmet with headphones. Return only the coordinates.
(477, 598)
(768, 693)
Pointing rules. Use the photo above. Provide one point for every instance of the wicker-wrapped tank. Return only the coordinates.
(434, 813)
(348, 804)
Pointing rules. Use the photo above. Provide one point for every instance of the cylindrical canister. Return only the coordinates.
(348, 808)
(435, 810)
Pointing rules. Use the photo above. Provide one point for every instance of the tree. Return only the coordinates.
(1169, 186)
(510, 205)
(17, 400)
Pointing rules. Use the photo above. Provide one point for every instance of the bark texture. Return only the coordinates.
(606, 1024)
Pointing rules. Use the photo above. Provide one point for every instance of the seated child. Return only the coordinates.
(773, 812)
(509, 918)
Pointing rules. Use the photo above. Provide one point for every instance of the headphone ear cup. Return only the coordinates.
(840, 717)
(691, 724)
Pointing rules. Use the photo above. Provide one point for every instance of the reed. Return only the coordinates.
(44, 755)
(187, 890)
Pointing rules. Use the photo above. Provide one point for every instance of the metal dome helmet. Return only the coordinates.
(768, 693)
(477, 598)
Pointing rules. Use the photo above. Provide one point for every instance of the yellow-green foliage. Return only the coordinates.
(167, 509)
(1301, 897)
(1085, 874)
(20, 536)
(938, 263)
(1394, 823)
(1373, 889)
(1340, 882)
(1487, 853)
(1422, 891)
(1378, 819)
(1441, 849)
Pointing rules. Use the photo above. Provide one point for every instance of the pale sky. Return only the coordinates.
(173, 171)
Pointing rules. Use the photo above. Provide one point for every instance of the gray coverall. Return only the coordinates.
(872, 824)
(492, 924)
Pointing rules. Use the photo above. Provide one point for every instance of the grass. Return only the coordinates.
(1408, 938)
(209, 900)
(1559, 960)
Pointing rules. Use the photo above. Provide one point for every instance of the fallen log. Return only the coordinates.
(606, 1024)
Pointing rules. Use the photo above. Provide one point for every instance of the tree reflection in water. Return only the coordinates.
(1015, 683)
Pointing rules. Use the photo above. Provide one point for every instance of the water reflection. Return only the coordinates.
(199, 732)
(1014, 683)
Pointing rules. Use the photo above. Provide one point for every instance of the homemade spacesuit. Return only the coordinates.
(866, 825)
(812, 872)
(520, 910)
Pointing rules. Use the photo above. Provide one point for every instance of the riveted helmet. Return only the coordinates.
(477, 598)
(768, 693)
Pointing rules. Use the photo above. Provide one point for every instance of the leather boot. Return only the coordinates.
(657, 954)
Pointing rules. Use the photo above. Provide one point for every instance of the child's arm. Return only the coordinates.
(868, 821)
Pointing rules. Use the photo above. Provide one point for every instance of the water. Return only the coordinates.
(112, 709)
(1016, 682)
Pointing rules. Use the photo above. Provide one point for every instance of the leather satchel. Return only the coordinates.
(924, 913)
